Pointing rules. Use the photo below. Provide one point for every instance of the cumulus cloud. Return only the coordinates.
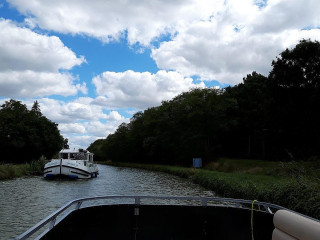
(81, 141)
(69, 112)
(30, 83)
(73, 128)
(83, 133)
(115, 116)
(282, 15)
(23, 49)
(140, 90)
(32, 64)
(99, 129)
(214, 39)
(140, 21)
(79, 120)
(239, 38)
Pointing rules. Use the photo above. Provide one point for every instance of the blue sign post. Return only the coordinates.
(197, 162)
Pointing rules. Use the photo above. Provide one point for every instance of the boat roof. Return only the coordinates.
(74, 151)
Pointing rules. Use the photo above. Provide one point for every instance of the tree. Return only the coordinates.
(298, 67)
(253, 99)
(26, 135)
(274, 117)
(65, 143)
(116, 147)
(95, 148)
(295, 84)
(13, 132)
(193, 124)
(36, 109)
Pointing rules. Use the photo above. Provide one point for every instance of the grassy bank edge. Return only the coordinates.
(11, 171)
(303, 197)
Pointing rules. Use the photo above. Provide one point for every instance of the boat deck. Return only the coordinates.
(162, 222)
(150, 217)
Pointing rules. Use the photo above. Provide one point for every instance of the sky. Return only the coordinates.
(92, 64)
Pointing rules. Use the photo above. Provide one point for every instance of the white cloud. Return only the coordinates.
(82, 134)
(239, 38)
(282, 15)
(31, 64)
(23, 49)
(79, 120)
(215, 39)
(140, 90)
(99, 129)
(72, 128)
(81, 141)
(109, 20)
(69, 112)
(115, 116)
(30, 84)
(82, 88)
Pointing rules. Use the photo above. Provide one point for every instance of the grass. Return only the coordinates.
(294, 185)
(266, 168)
(11, 171)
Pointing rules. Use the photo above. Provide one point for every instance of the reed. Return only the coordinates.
(11, 171)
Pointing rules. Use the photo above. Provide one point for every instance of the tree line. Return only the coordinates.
(25, 135)
(274, 117)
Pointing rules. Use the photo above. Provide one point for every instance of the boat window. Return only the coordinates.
(72, 155)
(64, 155)
(81, 156)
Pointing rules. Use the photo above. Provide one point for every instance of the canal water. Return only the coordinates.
(25, 201)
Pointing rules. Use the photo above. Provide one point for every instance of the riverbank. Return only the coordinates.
(11, 171)
(286, 184)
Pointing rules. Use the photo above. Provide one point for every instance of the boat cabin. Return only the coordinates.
(79, 154)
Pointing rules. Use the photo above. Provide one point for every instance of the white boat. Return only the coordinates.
(72, 164)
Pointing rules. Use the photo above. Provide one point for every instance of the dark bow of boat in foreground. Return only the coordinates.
(150, 217)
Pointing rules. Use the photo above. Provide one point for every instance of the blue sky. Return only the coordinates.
(91, 66)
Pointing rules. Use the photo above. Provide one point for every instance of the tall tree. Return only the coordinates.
(253, 99)
(36, 109)
(26, 135)
(95, 148)
(298, 67)
(65, 143)
(295, 83)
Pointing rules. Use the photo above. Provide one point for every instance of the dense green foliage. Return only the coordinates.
(25, 134)
(295, 86)
(275, 117)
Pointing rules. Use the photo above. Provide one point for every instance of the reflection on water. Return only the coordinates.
(26, 201)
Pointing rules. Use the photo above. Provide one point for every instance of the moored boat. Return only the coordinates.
(73, 164)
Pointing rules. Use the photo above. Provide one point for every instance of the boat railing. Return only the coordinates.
(53, 219)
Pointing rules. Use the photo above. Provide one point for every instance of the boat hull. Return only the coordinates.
(72, 169)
